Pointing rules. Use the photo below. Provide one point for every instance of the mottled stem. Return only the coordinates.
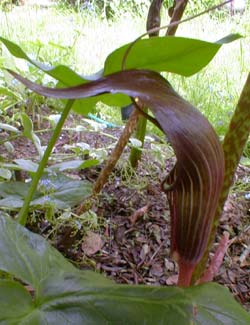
(233, 146)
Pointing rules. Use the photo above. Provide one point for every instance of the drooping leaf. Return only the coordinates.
(194, 185)
(67, 77)
(173, 54)
(66, 295)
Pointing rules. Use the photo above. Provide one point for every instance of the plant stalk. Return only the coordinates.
(233, 146)
(136, 153)
(153, 21)
(178, 10)
(23, 214)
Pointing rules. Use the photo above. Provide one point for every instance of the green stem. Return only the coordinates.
(135, 154)
(23, 214)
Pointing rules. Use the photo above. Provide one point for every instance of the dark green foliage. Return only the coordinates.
(66, 295)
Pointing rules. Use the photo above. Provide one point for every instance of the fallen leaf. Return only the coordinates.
(156, 270)
(172, 280)
(92, 243)
(138, 214)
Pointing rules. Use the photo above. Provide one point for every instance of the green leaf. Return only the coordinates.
(27, 126)
(26, 165)
(67, 77)
(90, 163)
(5, 173)
(61, 73)
(67, 165)
(184, 56)
(8, 127)
(66, 295)
(13, 188)
(28, 132)
(32, 259)
(74, 164)
(57, 190)
(11, 202)
(173, 54)
(68, 299)
(65, 189)
(15, 302)
(28, 256)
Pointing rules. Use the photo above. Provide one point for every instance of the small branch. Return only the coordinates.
(117, 151)
(179, 7)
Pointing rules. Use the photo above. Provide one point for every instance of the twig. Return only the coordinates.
(117, 151)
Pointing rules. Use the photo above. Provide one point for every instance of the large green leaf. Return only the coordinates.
(66, 295)
(173, 54)
(67, 77)
(27, 256)
(184, 56)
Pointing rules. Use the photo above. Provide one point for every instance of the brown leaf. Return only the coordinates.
(138, 214)
(172, 280)
(92, 243)
(156, 270)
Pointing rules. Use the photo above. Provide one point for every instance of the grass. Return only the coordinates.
(62, 36)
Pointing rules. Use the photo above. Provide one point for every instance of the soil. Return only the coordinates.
(132, 242)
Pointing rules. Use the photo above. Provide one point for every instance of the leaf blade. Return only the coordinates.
(66, 294)
(184, 56)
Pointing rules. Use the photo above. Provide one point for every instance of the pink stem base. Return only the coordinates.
(185, 273)
(217, 259)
